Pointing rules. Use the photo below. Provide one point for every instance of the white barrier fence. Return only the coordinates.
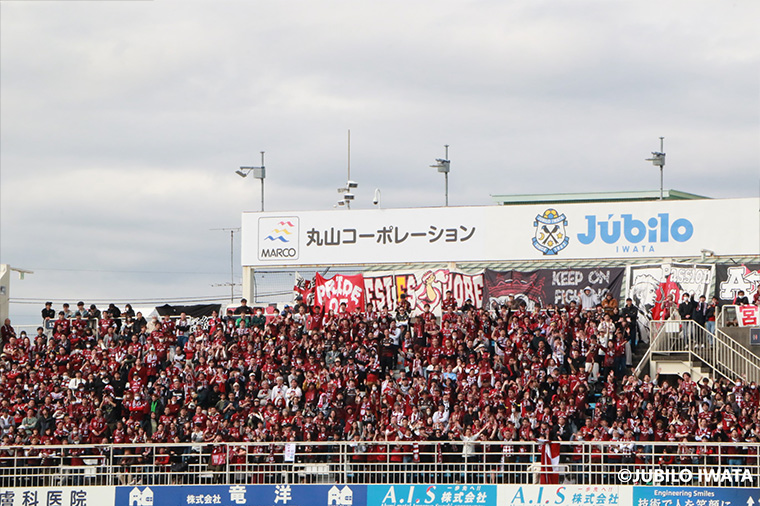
(375, 462)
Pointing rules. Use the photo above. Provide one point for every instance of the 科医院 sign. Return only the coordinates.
(497, 233)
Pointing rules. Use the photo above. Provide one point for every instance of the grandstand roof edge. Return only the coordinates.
(529, 264)
(616, 196)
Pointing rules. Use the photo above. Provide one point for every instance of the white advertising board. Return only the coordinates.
(500, 233)
(565, 495)
(57, 496)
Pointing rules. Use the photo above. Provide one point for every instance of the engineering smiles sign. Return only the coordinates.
(653, 229)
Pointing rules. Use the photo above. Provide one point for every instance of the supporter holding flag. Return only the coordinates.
(549, 450)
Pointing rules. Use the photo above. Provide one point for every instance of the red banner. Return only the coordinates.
(664, 290)
(331, 293)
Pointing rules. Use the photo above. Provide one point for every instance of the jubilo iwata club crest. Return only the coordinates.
(550, 235)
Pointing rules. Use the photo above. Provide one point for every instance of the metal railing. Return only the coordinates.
(722, 354)
(94, 325)
(31, 329)
(373, 462)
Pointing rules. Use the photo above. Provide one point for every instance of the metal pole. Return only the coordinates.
(447, 174)
(262, 182)
(232, 260)
(349, 155)
(232, 268)
(348, 202)
(447, 188)
(661, 167)
(661, 190)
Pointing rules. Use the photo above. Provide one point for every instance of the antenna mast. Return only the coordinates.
(232, 264)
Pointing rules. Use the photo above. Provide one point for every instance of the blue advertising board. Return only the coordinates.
(431, 495)
(243, 495)
(695, 496)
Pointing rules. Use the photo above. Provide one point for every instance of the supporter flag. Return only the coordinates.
(331, 293)
(303, 288)
(664, 289)
(550, 463)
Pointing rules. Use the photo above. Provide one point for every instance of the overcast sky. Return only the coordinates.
(122, 122)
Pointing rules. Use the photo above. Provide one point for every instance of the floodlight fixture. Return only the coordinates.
(658, 160)
(258, 173)
(444, 167)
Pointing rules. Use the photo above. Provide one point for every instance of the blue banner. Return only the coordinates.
(695, 496)
(431, 495)
(243, 495)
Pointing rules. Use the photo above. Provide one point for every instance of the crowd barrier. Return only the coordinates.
(591, 463)
(425, 494)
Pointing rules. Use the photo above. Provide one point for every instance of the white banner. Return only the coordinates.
(669, 229)
(59, 496)
(650, 285)
(564, 495)
(748, 316)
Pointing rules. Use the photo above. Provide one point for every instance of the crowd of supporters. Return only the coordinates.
(307, 374)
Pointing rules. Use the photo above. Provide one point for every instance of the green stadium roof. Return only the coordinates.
(568, 198)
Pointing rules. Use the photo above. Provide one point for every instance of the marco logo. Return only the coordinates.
(278, 238)
(656, 229)
(282, 232)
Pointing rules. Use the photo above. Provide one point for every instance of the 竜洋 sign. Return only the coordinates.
(241, 495)
(497, 233)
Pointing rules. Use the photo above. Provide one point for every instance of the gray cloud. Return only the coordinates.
(122, 122)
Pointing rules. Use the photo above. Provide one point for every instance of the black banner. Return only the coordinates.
(196, 311)
(550, 286)
(731, 278)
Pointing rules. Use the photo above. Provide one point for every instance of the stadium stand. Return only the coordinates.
(504, 387)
